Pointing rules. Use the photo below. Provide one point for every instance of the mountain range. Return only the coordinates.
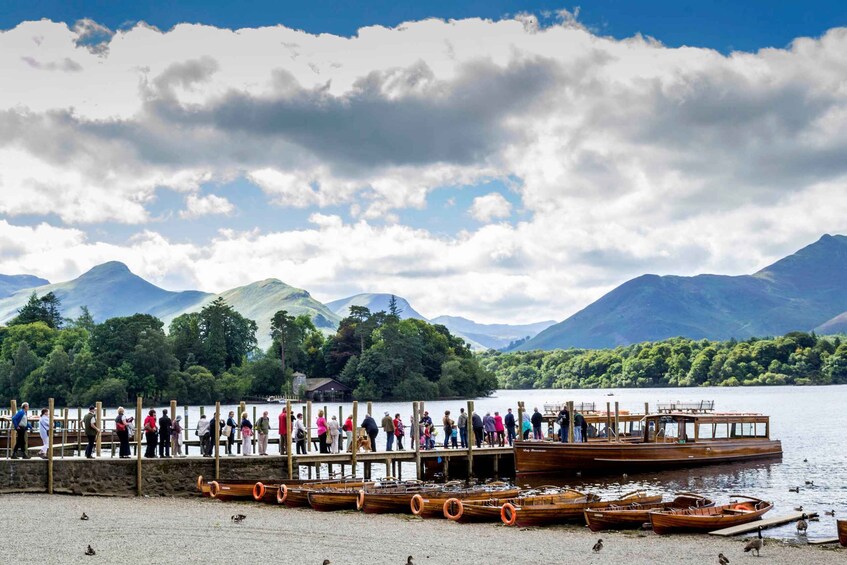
(804, 291)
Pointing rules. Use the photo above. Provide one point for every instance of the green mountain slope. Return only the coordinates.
(375, 302)
(10, 284)
(108, 290)
(799, 292)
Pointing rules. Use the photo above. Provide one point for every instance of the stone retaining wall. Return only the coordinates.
(117, 477)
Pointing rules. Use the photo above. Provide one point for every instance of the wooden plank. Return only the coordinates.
(764, 524)
(823, 541)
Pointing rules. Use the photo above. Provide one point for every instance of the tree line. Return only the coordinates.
(797, 358)
(212, 355)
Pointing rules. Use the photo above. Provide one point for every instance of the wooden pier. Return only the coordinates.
(764, 524)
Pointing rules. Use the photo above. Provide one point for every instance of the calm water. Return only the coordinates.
(810, 421)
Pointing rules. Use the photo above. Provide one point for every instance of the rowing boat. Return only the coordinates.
(490, 510)
(395, 499)
(297, 496)
(711, 518)
(842, 532)
(432, 505)
(538, 512)
(635, 514)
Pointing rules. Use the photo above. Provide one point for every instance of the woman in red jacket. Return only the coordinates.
(499, 428)
(151, 432)
(348, 429)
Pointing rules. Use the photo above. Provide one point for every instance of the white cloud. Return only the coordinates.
(627, 156)
(491, 206)
(196, 206)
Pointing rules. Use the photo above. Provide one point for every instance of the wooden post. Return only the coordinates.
(446, 467)
(609, 422)
(173, 419)
(520, 420)
(79, 431)
(572, 415)
(216, 433)
(354, 445)
(64, 431)
(98, 409)
(138, 446)
(50, 407)
(242, 408)
(371, 409)
(340, 435)
(308, 426)
(289, 448)
(471, 439)
(253, 437)
(417, 436)
(13, 434)
(617, 419)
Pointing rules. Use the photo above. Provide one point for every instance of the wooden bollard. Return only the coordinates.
(138, 401)
(570, 421)
(216, 433)
(289, 448)
(98, 442)
(50, 408)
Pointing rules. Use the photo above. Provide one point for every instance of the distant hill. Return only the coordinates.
(259, 301)
(375, 302)
(108, 290)
(491, 336)
(10, 284)
(800, 292)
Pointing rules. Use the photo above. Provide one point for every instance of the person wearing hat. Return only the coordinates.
(91, 431)
(388, 428)
(176, 435)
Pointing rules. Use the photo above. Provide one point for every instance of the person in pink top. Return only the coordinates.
(322, 429)
(283, 431)
(499, 428)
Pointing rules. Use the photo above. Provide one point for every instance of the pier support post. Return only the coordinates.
(446, 468)
(617, 420)
(471, 439)
(100, 424)
(609, 422)
(341, 435)
(416, 433)
(13, 433)
(308, 426)
(50, 408)
(64, 431)
(216, 433)
(571, 414)
(252, 437)
(520, 420)
(174, 439)
(185, 427)
(288, 448)
(496, 466)
(354, 447)
(138, 401)
(242, 408)
(79, 430)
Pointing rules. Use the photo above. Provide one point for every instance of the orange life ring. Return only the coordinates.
(746, 506)
(508, 514)
(360, 499)
(258, 491)
(417, 504)
(214, 488)
(282, 494)
(448, 509)
(200, 483)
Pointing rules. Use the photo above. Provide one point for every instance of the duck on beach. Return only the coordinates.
(756, 544)
(722, 559)
(83, 517)
(597, 546)
(90, 551)
(802, 525)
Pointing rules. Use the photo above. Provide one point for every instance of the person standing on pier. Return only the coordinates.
(176, 436)
(263, 428)
(320, 424)
(246, 435)
(21, 425)
(388, 428)
(488, 424)
(333, 430)
(91, 431)
(150, 433)
(399, 431)
(509, 422)
(478, 429)
(499, 428)
(447, 422)
(348, 429)
(122, 430)
(371, 429)
(204, 434)
(283, 432)
(462, 422)
(536, 420)
(229, 431)
(299, 431)
(563, 419)
(165, 435)
(44, 432)
(526, 426)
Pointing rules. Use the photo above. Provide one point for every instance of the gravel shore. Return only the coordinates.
(47, 529)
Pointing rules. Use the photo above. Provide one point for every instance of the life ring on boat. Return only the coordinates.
(214, 488)
(360, 499)
(417, 504)
(508, 514)
(258, 491)
(746, 506)
(200, 483)
(451, 503)
(281, 494)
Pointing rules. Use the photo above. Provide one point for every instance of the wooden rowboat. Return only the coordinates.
(490, 510)
(297, 496)
(711, 518)
(328, 500)
(538, 512)
(635, 515)
(842, 532)
(393, 500)
(432, 505)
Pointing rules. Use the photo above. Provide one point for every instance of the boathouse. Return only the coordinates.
(327, 390)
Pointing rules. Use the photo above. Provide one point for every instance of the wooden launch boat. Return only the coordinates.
(667, 441)
(710, 518)
(393, 500)
(297, 496)
(537, 512)
(635, 514)
(842, 532)
(490, 510)
(332, 499)
(227, 489)
(432, 505)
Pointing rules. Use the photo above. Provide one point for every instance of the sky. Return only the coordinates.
(503, 161)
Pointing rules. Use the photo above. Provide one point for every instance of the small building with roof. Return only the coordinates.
(326, 390)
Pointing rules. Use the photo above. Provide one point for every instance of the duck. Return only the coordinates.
(756, 544)
(237, 518)
(90, 551)
(829, 512)
(798, 508)
(802, 525)
(409, 561)
(793, 489)
(805, 460)
(84, 516)
(327, 562)
(597, 546)
(810, 483)
(723, 559)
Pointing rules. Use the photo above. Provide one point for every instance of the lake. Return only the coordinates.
(810, 421)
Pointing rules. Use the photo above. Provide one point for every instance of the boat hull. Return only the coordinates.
(599, 519)
(706, 519)
(842, 532)
(330, 501)
(432, 506)
(545, 514)
(490, 510)
(551, 458)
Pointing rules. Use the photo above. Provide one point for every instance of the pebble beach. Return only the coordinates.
(46, 529)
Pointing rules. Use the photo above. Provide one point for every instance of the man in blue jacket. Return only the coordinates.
(21, 425)
(509, 421)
